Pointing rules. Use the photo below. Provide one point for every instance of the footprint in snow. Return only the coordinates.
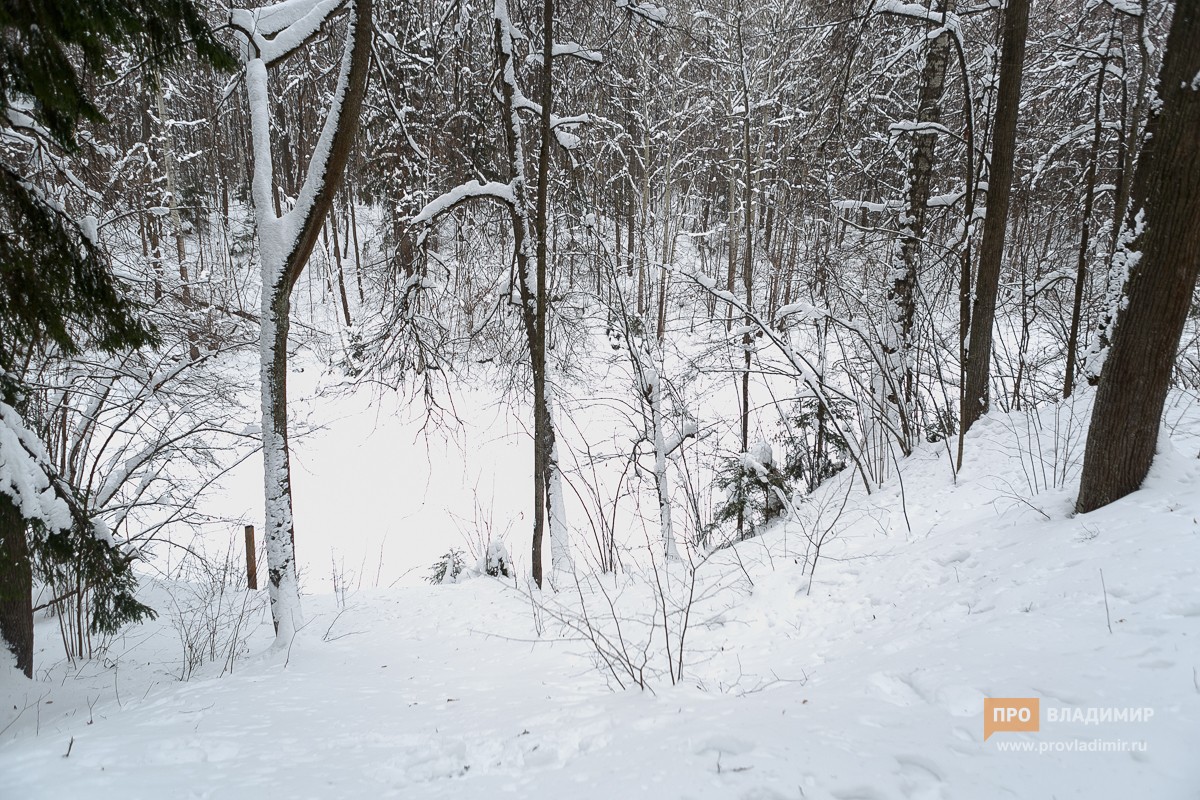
(920, 778)
(859, 793)
(957, 557)
(894, 689)
(728, 745)
(960, 701)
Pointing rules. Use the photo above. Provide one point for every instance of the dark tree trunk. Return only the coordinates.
(16, 586)
(747, 269)
(532, 323)
(1163, 258)
(991, 249)
(341, 275)
(543, 428)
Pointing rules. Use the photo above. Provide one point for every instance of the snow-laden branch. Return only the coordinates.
(647, 11)
(502, 192)
(912, 126)
(560, 125)
(919, 12)
(573, 49)
(578, 51)
(1125, 7)
(945, 22)
(287, 240)
(275, 31)
(24, 473)
(28, 478)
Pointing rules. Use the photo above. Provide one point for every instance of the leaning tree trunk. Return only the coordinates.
(285, 243)
(991, 249)
(1161, 253)
(16, 586)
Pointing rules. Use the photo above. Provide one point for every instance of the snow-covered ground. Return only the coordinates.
(928, 596)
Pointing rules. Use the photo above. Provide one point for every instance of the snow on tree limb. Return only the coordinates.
(277, 30)
(28, 477)
(23, 473)
(294, 234)
(503, 192)
(647, 11)
(917, 11)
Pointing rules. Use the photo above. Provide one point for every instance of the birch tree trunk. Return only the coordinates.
(662, 485)
(902, 292)
(172, 196)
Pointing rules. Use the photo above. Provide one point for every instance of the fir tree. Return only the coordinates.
(57, 293)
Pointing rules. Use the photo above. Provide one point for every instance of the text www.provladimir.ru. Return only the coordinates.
(1075, 746)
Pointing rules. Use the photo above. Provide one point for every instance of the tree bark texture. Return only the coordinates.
(991, 249)
(1161, 251)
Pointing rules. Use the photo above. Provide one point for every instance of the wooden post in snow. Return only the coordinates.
(251, 565)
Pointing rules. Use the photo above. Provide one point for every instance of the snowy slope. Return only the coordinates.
(928, 596)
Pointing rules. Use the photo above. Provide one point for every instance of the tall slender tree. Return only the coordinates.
(1000, 179)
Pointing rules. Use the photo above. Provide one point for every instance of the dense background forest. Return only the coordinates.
(711, 258)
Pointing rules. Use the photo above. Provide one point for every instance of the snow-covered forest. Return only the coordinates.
(628, 398)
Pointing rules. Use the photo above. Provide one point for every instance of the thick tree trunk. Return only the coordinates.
(16, 586)
(282, 585)
(991, 250)
(285, 245)
(1161, 252)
